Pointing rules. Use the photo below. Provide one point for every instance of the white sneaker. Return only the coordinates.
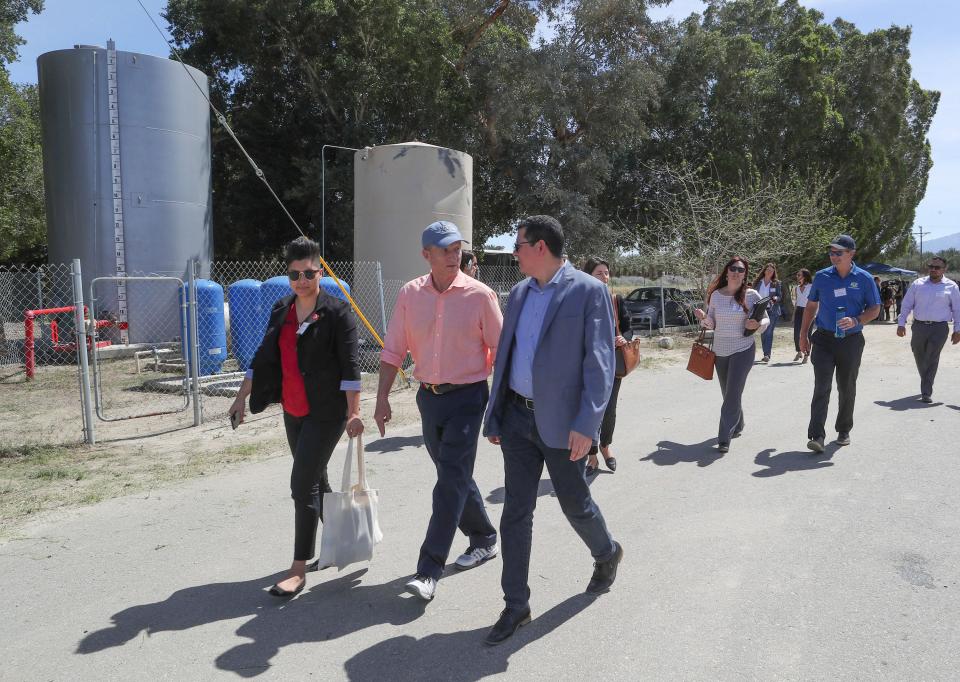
(476, 556)
(422, 586)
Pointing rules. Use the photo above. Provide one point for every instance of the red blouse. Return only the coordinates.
(293, 391)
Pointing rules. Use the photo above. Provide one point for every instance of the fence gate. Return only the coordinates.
(149, 375)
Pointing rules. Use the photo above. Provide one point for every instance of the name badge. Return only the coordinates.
(303, 327)
(837, 293)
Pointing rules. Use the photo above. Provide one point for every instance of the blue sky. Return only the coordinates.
(934, 56)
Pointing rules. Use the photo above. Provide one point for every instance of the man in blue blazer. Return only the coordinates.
(552, 379)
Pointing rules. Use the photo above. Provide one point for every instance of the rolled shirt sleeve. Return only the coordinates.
(347, 343)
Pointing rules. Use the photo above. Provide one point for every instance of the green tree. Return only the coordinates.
(22, 217)
(762, 86)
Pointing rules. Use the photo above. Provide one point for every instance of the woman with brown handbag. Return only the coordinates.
(600, 269)
(729, 304)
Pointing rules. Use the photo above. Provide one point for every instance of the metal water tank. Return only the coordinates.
(399, 189)
(126, 158)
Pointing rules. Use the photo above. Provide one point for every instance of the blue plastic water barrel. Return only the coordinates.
(273, 290)
(329, 286)
(211, 328)
(248, 320)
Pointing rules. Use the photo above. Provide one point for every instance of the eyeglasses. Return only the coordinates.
(737, 268)
(836, 254)
(294, 275)
(934, 267)
(517, 245)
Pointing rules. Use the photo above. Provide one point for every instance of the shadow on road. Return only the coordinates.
(670, 453)
(911, 402)
(455, 656)
(785, 462)
(498, 495)
(325, 611)
(394, 444)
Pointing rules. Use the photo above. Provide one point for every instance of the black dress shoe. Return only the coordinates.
(315, 566)
(589, 471)
(278, 591)
(508, 623)
(605, 572)
(611, 463)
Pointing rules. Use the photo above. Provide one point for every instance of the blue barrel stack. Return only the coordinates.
(211, 328)
(248, 320)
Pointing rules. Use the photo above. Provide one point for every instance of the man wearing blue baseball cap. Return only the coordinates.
(450, 323)
(842, 298)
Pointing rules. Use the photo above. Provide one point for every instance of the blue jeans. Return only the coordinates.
(766, 339)
(524, 455)
(451, 427)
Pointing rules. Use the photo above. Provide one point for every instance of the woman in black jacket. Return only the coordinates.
(307, 361)
(600, 269)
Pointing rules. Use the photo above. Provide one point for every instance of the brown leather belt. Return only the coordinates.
(440, 389)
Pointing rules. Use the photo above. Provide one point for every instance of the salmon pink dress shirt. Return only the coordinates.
(452, 335)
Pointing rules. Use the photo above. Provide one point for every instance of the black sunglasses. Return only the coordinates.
(737, 268)
(294, 275)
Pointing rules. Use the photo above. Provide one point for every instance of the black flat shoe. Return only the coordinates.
(611, 463)
(278, 591)
(315, 566)
(590, 471)
(509, 622)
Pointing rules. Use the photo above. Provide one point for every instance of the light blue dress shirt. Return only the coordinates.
(932, 302)
(529, 324)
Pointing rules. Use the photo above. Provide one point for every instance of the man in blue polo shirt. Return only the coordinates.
(843, 298)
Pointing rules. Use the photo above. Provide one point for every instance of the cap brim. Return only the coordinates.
(845, 247)
(447, 241)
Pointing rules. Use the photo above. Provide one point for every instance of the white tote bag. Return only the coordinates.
(350, 528)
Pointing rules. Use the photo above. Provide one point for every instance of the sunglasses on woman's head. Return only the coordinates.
(294, 275)
(737, 268)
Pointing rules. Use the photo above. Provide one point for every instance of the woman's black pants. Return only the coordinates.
(609, 419)
(312, 442)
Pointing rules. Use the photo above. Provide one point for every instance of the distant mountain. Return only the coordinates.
(951, 241)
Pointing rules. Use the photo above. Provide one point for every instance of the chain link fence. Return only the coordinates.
(33, 325)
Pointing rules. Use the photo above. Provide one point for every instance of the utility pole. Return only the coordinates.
(919, 231)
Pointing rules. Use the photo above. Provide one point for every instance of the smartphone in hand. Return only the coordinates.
(235, 420)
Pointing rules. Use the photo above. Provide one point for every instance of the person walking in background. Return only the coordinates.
(729, 304)
(468, 263)
(599, 268)
(886, 300)
(934, 301)
(554, 374)
(450, 323)
(307, 362)
(767, 284)
(842, 299)
(804, 281)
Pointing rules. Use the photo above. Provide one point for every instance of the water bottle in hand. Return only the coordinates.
(838, 331)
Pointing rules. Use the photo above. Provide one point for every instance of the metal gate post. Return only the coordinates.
(89, 435)
(194, 347)
(383, 308)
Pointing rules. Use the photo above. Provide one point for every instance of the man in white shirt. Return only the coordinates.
(934, 301)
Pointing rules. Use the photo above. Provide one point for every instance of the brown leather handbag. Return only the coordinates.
(628, 357)
(702, 358)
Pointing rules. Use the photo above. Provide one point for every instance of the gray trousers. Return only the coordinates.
(927, 341)
(732, 372)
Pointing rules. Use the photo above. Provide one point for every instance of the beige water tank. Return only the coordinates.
(399, 189)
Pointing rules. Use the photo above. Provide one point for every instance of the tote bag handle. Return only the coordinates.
(345, 484)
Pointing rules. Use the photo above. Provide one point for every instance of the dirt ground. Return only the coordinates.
(44, 466)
